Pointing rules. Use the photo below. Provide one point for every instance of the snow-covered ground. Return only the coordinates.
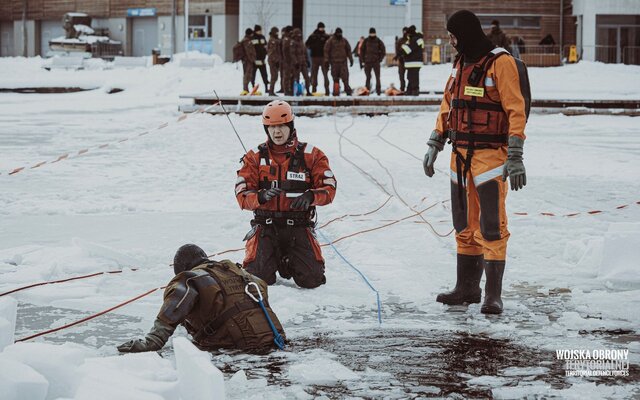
(571, 282)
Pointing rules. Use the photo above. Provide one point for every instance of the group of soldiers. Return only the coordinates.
(287, 57)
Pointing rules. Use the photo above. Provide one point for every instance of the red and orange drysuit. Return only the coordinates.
(484, 103)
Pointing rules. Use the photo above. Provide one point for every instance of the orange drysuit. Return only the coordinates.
(283, 239)
(484, 103)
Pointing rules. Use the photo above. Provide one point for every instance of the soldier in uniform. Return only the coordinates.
(283, 181)
(260, 45)
(337, 51)
(208, 298)
(300, 59)
(274, 53)
(373, 52)
(287, 61)
(248, 61)
(315, 42)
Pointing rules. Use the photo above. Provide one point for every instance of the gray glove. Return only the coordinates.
(514, 167)
(154, 341)
(436, 144)
(267, 194)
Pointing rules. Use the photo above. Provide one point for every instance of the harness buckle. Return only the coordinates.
(268, 221)
(290, 222)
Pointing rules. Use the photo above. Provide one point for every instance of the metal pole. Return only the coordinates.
(186, 27)
(173, 27)
(24, 28)
(561, 29)
(407, 14)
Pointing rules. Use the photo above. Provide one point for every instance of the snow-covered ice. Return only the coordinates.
(198, 378)
(571, 282)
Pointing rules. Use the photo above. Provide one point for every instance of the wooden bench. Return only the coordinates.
(130, 62)
(66, 63)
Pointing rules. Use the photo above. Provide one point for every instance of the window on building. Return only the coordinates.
(199, 26)
(511, 21)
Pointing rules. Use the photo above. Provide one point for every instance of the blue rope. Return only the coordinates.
(277, 338)
(330, 242)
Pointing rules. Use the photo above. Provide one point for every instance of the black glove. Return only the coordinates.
(303, 202)
(436, 144)
(154, 341)
(514, 167)
(266, 195)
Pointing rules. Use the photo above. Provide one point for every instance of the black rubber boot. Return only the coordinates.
(467, 290)
(494, 271)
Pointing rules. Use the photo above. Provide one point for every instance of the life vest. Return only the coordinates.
(297, 177)
(238, 321)
(476, 117)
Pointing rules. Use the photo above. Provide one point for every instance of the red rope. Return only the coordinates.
(90, 317)
(62, 280)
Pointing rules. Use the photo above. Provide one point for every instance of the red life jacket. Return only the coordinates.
(476, 117)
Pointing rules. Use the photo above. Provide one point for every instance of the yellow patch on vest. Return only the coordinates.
(473, 91)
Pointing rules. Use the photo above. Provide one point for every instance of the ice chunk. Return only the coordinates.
(321, 370)
(198, 377)
(131, 376)
(8, 312)
(57, 363)
(620, 257)
(20, 381)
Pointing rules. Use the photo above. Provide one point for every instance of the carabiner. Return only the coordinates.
(246, 290)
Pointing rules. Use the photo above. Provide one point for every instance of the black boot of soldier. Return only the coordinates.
(494, 271)
(467, 290)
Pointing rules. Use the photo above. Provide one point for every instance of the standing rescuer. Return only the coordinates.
(282, 181)
(209, 299)
(413, 49)
(483, 113)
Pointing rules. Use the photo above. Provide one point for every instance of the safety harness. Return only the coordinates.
(297, 166)
(471, 140)
(212, 326)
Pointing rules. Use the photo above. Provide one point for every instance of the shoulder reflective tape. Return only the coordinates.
(240, 188)
(406, 48)
(499, 50)
(473, 91)
(487, 176)
(330, 182)
(420, 42)
(488, 81)
(309, 149)
(413, 64)
(328, 173)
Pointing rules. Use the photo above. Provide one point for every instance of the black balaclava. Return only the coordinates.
(188, 257)
(338, 33)
(472, 42)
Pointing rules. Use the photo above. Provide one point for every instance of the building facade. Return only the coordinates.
(608, 30)
(603, 30)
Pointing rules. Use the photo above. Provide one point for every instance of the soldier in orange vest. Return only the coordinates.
(483, 113)
(282, 181)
